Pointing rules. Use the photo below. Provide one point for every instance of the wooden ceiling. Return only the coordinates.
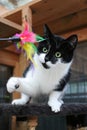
(64, 18)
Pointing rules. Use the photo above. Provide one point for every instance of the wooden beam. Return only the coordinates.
(20, 8)
(16, 14)
(67, 23)
(8, 28)
(82, 34)
(8, 58)
(12, 49)
(15, 17)
(27, 13)
(10, 23)
(70, 22)
(49, 10)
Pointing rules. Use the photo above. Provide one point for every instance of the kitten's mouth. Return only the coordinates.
(45, 66)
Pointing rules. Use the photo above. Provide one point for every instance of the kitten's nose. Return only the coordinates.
(46, 59)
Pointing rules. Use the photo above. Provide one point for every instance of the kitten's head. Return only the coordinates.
(56, 50)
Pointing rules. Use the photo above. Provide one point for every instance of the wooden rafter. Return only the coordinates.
(49, 10)
(8, 58)
(10, 13)
(61, 17)
(67, 23)
(8, 28)
(82, 34)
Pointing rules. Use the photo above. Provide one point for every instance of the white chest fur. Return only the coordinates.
(45, 80)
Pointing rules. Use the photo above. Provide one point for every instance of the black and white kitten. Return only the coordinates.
(50, 77)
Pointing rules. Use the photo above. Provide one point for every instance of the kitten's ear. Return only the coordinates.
(73, 40)
(47, 32)
(49, 36)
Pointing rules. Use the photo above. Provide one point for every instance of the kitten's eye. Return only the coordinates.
(58, 54)
(45, 50)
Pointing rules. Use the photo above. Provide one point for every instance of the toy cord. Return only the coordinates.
(5, 42)
(11, 39)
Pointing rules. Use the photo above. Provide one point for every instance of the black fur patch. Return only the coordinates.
(63, 82)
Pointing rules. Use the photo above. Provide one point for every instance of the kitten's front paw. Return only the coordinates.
(12, 84)
(55, 105)
(18, 102)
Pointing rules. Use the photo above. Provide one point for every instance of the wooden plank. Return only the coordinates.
(12, 49)
(67, 23)
(8, 28)
(49, 10)
(7, 31)
(70, 22)
(16, 14)
(20, 8)
(53, 10)
(82, 34)
(15, 17)
(11, 24)
(27, 13)
(8, 58)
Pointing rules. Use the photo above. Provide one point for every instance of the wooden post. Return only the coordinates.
(21, 125)
(32, 122)
(27, 13)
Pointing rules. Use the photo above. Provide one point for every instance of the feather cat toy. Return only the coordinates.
(25, 41)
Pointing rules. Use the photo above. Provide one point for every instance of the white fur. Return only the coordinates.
(42, 57)
(40, 81)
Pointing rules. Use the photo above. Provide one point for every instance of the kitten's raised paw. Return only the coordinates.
(55, 106)
(18, 102)
(12, 84)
